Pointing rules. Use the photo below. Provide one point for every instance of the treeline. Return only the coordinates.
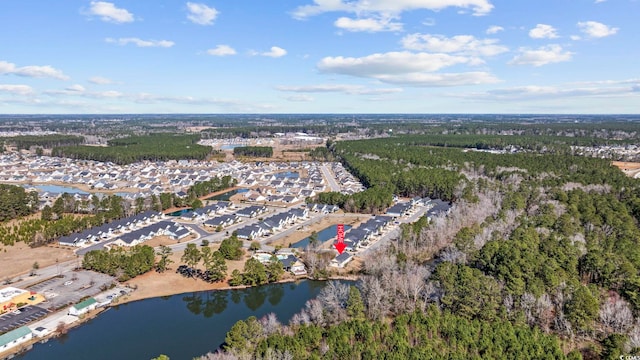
(254, 151)
(415, 170)
(545, 143)
(41, 231)
(154, 147)
(15, 202)
(121, 263)
(546, 244)
(233, 130)
(256, 273)
(207, 187)
(45, 141)
(429, 334)
(374, 200)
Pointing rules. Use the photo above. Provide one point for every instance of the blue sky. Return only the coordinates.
(320, 56)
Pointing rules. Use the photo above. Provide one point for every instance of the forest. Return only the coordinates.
(153, 147)
(16, 202)
(59, 220)
(121, 263)
(44, 141)
(253, 151)
(539, 257)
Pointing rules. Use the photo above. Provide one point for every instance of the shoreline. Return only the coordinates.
(220, 286)
(126, 299)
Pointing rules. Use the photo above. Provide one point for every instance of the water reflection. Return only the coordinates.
(276, 293)
(215, 302)
(181, 326)
(255, 297)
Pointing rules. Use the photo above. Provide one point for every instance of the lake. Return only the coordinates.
(230, 146)
(323, 235)
(180, 326)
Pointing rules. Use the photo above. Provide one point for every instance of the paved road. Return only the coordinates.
(330, 178)
(395, 232)
(79, 284)
(44, 273)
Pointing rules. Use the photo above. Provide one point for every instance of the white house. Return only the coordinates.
(83, 307)
(341, 260)
(14, 338)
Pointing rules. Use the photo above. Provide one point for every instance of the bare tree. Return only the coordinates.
(634, 337)
(334, 297)
(270, 324)
(411, 284)
(374, 297)
(616, 315)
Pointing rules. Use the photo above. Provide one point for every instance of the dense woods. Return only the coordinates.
(45, 141)
(254, 151)
(154, 147)
(15, 202)
(537, 251)
(54, 221)
(121, 263)
(207, 187)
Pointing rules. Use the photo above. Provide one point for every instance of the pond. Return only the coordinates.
(61, 189)
(287, 175)
(227, 195)
(230, 146)
(180, 326)
(323, 235)
(180, 212)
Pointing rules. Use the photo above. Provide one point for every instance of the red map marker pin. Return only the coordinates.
(340, 245)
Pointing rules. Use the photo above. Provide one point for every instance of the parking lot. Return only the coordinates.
(70, 288)
(21, 317)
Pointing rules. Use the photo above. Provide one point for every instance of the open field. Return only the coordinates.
(154, 284)
(631, 169)
(19, 258)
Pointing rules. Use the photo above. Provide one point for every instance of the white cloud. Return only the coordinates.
(494, 29)
(429, 22)
(108, 94)
(300, 98)
(479, 7)
(441, 80)
(389, 63)
(109, 12)
(541, 56)
(339, 88)
(201, 14)
(594, 29)
(407, 68)
(141, 43)
(76, 88)
(600, 1)
(594, 89)
(222, 50)
(72, 90)
(460, 44)
(99, 80)
(274, 52)
(543, 31)
(16, 89)
(368, 24)
(36, 71)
